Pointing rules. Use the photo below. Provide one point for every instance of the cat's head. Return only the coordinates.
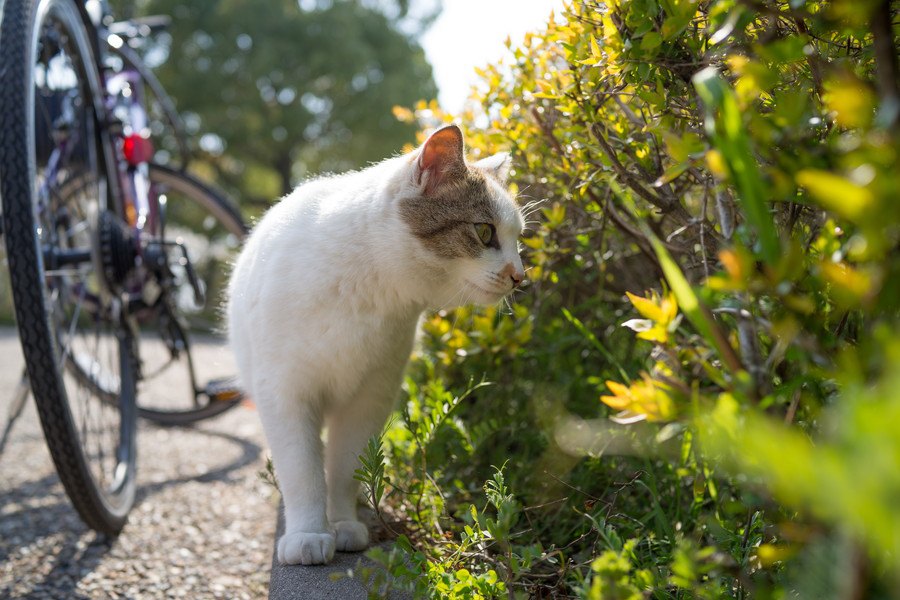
(464, 219)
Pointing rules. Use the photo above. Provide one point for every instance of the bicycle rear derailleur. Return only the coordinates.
(117, 253)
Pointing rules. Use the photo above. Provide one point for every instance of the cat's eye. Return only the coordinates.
(486, 233)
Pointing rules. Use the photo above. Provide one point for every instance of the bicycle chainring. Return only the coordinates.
(116, 250)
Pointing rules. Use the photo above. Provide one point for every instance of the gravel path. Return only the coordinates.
(202, 527)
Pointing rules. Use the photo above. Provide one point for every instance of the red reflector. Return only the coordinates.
(137, 149)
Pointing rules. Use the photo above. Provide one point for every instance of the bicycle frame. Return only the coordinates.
(124, 95)
(122, 125)
(126, 152)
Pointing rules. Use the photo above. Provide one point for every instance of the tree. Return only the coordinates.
(283, 90)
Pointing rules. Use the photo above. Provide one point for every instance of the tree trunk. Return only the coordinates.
(284, 166)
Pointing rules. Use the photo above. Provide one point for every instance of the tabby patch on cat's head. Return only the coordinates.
(455, 196)
(463, 211)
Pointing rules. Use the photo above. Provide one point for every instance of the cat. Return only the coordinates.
(324, 301)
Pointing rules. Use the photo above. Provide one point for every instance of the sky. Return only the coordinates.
(470, 34)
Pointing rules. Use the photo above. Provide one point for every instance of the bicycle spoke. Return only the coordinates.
(67, 273)
(82, 226)
(71, 329)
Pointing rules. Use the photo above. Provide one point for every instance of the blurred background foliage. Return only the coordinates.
(697, 395)
(279, 92)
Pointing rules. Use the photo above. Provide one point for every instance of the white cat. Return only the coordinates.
(323, 306)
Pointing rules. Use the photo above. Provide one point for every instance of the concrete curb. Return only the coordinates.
(298, 582)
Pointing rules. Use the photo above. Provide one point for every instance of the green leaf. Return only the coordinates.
(596, 342)
(671, 174)
(725, 126)
(651, 41)
(690, 304)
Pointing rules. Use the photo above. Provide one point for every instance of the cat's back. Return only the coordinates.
(307, 267)
(297, 224)
(325, 211)
(313, 237)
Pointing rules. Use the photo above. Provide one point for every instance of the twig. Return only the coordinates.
(638, 237)
(792, 408)
(632, 181)
(812, 59)
(703, 229)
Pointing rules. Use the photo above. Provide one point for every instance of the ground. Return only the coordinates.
(202, 526)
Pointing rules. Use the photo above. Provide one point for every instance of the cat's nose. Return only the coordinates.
(515, 274)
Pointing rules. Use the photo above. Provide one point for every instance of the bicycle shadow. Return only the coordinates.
(28, 520)
(249, 453)
(32, 520)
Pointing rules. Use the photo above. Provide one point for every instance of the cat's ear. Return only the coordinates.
(441, 158)
(497, 166)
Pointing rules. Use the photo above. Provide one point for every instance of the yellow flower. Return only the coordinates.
(643, 399)
(661, 314)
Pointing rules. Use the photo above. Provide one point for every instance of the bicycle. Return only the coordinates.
(114, 260)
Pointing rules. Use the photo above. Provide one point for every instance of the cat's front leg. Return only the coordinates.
(293, 428)
(349, 429)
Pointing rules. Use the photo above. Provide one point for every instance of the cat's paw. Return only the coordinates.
(350, 536)
(300, 548)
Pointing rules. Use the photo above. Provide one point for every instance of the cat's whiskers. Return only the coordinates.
(451, 304)
(472, 290)
(531, 200)
(531, 207)
(531, 210)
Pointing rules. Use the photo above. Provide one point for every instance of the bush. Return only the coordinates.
(720, 177)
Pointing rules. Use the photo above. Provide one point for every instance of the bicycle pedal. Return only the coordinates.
(223, 390)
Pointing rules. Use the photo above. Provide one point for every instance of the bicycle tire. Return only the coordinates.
(220, 395)
(103, 497)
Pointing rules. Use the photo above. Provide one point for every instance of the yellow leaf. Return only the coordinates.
(615, 402)
(852, 285)
(850, 100)
(595, 49)
(739, 266)
(716, 163)
(647, 308)
(544, 85)
(669, 308)
(617, 388)
(534, 243)
(657, 333)
(837, 194)
(769, 554)
(736, 63)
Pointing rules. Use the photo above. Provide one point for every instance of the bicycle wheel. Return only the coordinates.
(78, 348)
(210, 229)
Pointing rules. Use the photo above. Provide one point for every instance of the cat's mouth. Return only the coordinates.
(494, 294)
